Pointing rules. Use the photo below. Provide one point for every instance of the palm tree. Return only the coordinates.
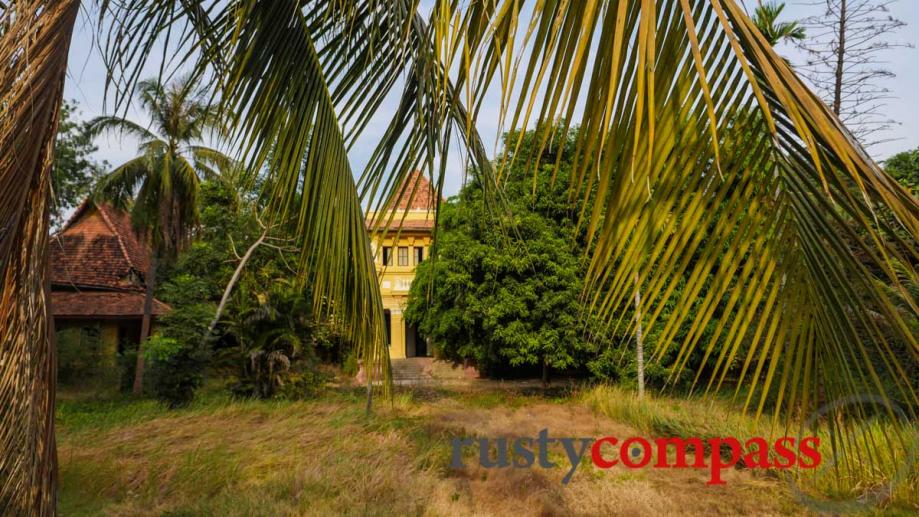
(761, 235)
(161, 185)
(766, 17)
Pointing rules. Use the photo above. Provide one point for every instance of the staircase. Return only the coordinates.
(414, 370)
(423, 371)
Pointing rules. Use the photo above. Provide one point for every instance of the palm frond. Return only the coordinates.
(119, 186)
(34, 44)
(211, 161)
(701, 158)
(709, 161)
(121, 126)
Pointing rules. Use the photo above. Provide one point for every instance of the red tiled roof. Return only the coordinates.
(417, 193)
(102, 304)
(98, 248)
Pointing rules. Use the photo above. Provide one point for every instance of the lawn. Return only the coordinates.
(229, 457)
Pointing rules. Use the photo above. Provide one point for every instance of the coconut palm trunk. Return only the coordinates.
(34, 44)
(146, 322)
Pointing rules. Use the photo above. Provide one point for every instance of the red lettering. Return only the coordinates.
(680, 446)
(625, 453)
(717, 464)
(785, 452)
(597, 456)
(757, 457)
(810, 452)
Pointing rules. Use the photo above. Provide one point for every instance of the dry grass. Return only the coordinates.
(223, 457)
(859, 485)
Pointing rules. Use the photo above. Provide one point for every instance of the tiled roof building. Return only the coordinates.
(398, 251)
(96, 253)
(98, 265)
(417, 193)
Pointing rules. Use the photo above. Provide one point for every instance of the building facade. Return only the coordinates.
(97, 283)
(398, 250)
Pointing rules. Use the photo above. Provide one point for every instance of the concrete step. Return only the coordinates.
(424, 370)
(411, 369)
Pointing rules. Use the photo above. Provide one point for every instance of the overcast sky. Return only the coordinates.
(86, 75)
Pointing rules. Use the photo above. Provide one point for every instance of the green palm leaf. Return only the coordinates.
(702, 155)
(710, 161)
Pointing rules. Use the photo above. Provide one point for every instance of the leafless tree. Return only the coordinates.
(845, 48)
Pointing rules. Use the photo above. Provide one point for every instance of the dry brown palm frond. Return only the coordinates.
(33, 59)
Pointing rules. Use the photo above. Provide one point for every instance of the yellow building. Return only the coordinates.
(404, 245)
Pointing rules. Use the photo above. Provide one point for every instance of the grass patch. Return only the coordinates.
(861, 482)
(222, 456)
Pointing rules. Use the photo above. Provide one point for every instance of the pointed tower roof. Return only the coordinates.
(417, 193)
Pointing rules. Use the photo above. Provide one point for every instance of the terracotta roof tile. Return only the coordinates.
(98, 248)
(102, 304)
(417, 193)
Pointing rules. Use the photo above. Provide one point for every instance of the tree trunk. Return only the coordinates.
(33, 60)
(545, 373)
(235, 278)
(840, 61)
(639, 343)
(150, 281)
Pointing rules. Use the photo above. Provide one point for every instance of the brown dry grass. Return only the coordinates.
(324, 457)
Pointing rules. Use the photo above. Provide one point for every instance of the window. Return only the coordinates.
(419, 255)
(387, 323)
(387, 255)
(403, 256)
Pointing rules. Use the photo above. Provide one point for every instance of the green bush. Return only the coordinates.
(175, 378)
(305, 382)
(618, 364)
(277, 340)
(177, 356)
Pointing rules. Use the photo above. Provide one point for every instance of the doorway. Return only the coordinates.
(415, 345)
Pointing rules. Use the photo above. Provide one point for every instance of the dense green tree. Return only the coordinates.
(905, 168)
(74, 170)
(267, 342)
(504, 287)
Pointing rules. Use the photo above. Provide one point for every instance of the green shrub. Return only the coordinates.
(305, 382)
(277, 339)
(177, 355)
(618, 364)
(175, 378)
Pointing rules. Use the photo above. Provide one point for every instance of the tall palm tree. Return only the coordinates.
(761, 235)
(766, 18)
(161, 185)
